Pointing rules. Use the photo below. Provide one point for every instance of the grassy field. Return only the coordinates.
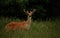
(42, 29)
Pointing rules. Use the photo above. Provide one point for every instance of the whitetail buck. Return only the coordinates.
(21, 25)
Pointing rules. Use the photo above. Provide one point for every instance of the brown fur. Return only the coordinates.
(20, 25)
(17, 25)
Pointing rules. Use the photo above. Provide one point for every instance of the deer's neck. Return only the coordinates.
(29, 19)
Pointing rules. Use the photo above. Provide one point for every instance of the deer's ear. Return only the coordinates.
(34, 10)
(24, 10)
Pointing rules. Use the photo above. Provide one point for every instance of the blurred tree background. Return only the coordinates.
(45, 8)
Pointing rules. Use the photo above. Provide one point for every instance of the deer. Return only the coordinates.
(21, 25)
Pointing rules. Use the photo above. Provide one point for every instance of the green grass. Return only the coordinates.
(42, 29)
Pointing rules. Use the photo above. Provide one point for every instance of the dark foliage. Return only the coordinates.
(44, 10)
